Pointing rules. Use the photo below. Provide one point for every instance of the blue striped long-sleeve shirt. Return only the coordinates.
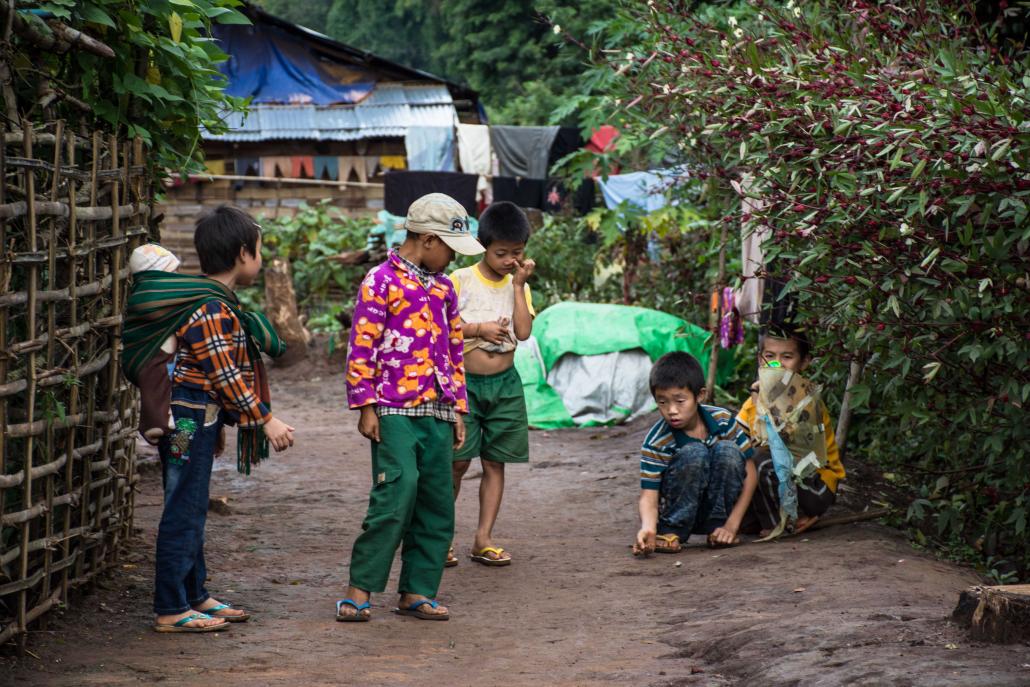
(662, 442)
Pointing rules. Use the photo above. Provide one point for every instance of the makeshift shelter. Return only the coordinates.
(322, 113)
(588, 363)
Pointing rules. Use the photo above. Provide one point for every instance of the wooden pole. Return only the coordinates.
(714, 318)
(844, 421)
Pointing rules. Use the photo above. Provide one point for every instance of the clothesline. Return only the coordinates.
(283, 180)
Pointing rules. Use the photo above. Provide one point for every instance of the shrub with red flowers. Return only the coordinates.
(889, 149)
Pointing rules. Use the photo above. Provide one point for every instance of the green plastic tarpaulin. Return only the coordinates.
(596, 329)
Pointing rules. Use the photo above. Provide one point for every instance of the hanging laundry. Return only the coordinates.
(557, 197)
(393, 162)
(371, 166)
(302, 167)
(526, 193)
(602, 139)
(247, 166)
(352, 163)
(214, 166)
(567, 141)
(731, 329)
(430, 148)
(401, 189)
(645, 190)
(327, 167)
(474, 149)
(522, 151)
(476, 157)
(275, 166)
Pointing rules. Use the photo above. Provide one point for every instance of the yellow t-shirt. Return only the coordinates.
(834, 470)
(483, 300)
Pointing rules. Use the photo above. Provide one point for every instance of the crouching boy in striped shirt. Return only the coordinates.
(695, 476)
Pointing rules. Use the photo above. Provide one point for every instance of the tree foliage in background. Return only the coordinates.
(308, 240)
(161, 85)
(890, 147)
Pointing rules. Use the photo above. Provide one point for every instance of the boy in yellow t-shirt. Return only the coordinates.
(496, 310)
(790, 348)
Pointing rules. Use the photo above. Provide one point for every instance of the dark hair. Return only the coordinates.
(677, 370)
(790, 332)
(503, 221)
(219, 236)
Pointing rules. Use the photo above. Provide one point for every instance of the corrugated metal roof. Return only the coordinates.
(387, 112)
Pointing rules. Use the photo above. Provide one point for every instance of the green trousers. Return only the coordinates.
(412, 503)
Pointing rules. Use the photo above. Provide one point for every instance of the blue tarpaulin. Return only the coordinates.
(272, 66)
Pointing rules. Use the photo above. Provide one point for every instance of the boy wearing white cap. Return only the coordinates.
(405, 372)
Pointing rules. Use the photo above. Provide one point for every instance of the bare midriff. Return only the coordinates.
(480, 362)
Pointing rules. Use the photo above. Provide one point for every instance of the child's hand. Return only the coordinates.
(459, 433)
(725, 535)
(368, 424)
(279, 434)
(645, 542)
(494, 332)
(523, 272)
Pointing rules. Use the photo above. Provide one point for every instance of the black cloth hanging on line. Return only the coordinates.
(401, 189)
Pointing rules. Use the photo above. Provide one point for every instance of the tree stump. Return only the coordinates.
(281, 309)
(996, 614)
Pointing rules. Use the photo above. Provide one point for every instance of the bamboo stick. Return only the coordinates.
(30, 375)
(714, 319)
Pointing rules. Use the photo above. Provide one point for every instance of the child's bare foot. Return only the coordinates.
(211, 607)
(805, 522)
(164, 621)
(484, 551)
(360, 597)
(427, 608)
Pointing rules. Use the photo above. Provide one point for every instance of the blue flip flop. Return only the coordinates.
(228, 618)
(181, 625)
(358, 608)
(416, 611)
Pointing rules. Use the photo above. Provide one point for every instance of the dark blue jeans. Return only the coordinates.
(187, 454)
(699, 488)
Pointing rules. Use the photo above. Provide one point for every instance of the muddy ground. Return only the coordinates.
(848, 605)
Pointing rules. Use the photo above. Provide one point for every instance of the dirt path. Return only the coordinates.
(853, 605)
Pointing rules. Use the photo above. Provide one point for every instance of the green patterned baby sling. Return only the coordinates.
(160, 303)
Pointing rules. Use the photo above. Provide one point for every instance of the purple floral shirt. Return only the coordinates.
(406, 342)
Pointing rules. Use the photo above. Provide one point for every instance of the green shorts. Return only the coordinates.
(497, 428)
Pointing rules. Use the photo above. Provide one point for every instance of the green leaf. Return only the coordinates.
(95, 15)
(920, 166)
(232, 17)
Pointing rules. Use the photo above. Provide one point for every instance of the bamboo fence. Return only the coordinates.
(72, 207)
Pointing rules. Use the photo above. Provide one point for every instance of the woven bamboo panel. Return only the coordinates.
(72, 208)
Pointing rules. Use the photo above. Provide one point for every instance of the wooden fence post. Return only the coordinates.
(715, 318)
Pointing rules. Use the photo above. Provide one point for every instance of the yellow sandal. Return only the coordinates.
(483, 558)
(667, 543)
